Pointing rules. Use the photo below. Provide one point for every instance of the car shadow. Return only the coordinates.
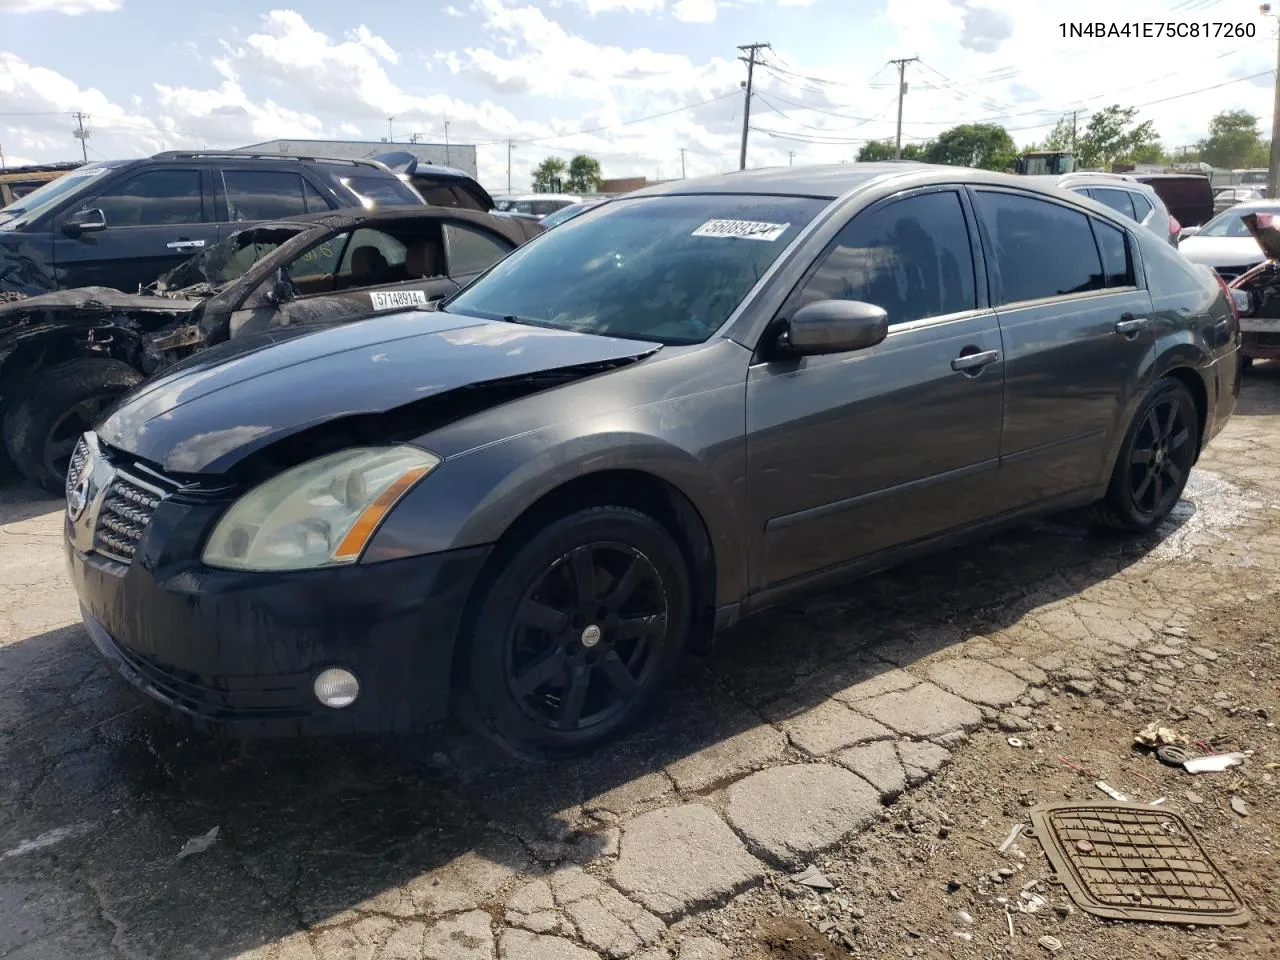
(403, 827)
(19, 502)
(1260, 391)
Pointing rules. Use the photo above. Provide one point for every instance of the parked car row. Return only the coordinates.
(526, 501)
(273, 249)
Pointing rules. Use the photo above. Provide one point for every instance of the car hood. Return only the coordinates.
(92, 300)
(218, 407)
(1220, 251)
(1265, 231)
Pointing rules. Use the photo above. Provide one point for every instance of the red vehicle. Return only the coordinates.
(1257, 293)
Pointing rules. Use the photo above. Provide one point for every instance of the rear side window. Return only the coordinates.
(1117, 200)
(912, 257)
(1141, 206)
(447, 195)
(381, 191)
(316, 203)
(263, 194)
(471, 250)
(1040, 249)
(1113, 245)
(154, 198)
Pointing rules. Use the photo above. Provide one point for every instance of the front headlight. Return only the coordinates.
(319, 514)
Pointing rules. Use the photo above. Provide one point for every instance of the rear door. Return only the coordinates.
(156, 218)
(1075, 333)
(850, 454)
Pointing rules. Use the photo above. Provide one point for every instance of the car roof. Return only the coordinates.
(835, 180)
(359, 217)
(1260, 204)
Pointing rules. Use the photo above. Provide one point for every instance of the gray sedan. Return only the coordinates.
(645, 424)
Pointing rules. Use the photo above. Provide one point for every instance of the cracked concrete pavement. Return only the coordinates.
(790, 738)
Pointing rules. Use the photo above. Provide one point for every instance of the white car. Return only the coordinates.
(1225, 243)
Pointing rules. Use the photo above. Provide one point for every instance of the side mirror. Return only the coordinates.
(281, 290)
(92, 220)
(1187, 232)
(834, 326)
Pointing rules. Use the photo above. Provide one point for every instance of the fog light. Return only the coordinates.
(337, 688)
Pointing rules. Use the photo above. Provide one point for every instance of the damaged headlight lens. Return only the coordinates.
(319, 514)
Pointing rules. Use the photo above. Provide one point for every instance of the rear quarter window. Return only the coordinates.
(1174, 280)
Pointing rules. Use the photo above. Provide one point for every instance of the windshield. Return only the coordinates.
(1228, 224)
(229, 260)
(37, 201)
(669, 269)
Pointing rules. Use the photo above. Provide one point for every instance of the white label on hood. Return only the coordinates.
(391, 299)
(742, 229)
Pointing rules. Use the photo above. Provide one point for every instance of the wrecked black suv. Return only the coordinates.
(65, 356)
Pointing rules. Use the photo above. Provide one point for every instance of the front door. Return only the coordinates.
(1075, 327)
(851, 454)
(155, 220)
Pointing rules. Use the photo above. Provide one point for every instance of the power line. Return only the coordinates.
(610, 126)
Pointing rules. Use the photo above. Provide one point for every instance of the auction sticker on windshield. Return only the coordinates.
(742, 229)
(390, 299)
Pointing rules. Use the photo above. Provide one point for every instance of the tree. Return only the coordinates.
(584, 174)
(1110, 135)
(1147, 153)
(548, 171)
(874, 150)
(1233, 142)
(987, 146)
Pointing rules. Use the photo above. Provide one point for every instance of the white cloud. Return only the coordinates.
(452, 11)
(694, 11)
(71, 7)
(628, 6)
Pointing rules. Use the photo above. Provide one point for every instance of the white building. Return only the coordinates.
(461, 156)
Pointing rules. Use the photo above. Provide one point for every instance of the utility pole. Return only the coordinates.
(447, 161)
(1273, 168)
(82, 135)
(3, 164)
(390, 138)
(902, 91)
(791, 156)
(682, 176)
(1074, 114)
(509, 145)
(750, 60)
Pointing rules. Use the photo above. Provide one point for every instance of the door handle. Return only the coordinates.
(974, 361)
(185, 244)
(1130, 326)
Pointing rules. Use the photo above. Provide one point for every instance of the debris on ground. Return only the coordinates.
(1013, 835)
(1214, 763)
(198, 844)
(1239, 806)
(1111, 791)
(1052, 944)
(1156, 735)
(814, 878)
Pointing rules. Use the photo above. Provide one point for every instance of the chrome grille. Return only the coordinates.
(78, 458)
(126, 510)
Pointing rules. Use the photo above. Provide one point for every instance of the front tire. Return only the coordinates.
(41, 430)
(574, 633)
(1155, 460)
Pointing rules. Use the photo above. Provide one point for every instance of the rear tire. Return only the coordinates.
(1155, 460)
(567, 642)
(41, 429)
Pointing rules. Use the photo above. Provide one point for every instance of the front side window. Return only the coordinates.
(315, 269)
(228, 260)
(1041, 249)
(154, 198)
(669, 269)
(372, 257)
(912, 257)
(1117, 200)
(471, 250)
(263, 194)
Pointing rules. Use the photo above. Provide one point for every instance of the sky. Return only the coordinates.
(631, 82)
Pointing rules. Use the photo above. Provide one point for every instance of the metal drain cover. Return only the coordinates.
(1129, 861)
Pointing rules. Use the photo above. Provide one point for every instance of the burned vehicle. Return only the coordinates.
(1257, 292)
(65, 356)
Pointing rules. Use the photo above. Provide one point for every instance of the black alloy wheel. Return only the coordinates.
(574, 632)
(586, 635)
(60, 441)
(1155, 460)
